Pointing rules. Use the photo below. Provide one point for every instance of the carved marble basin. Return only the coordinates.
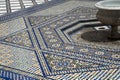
(109, 4)
(109, 13)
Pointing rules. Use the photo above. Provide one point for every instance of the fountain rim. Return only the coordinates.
(99, 5)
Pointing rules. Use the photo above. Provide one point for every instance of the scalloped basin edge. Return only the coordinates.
(108, 5)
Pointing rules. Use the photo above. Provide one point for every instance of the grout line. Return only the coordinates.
(34, 2)
(8, 8)
(21, 4)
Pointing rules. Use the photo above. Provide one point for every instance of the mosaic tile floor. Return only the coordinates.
(8, 6)
(63, 40)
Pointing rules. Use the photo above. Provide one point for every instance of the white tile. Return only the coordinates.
(14, 2)
(40, 1)
(15, 7)
(102, 28)
(2, 5)
(13, 10)
(0, 13)
(27, 6)
(3, 11)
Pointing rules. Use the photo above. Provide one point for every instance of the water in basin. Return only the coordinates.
(111, 4)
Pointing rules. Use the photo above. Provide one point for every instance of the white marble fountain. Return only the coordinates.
(109, 13)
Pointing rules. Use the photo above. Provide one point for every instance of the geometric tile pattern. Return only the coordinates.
(59, 64)
(19, 59)
(13, 76)
(9, 27)
(21, 39)
(42, 5)
(112, 74)
(51, 40)
(9, 6)
(90, 33)
(99, 37)
(41, 47)
(34, 20)
(88, 11)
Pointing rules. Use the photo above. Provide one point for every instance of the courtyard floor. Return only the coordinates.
(55, 40)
